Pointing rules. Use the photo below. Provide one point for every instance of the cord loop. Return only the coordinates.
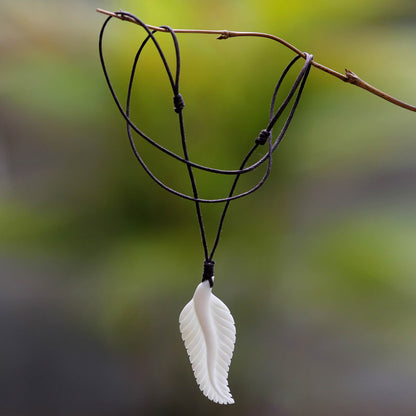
(264, 136)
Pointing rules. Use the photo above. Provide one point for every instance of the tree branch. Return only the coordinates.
(349, 76)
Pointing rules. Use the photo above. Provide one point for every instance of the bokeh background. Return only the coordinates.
(96, 261)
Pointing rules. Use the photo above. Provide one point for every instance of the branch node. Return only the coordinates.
(351, 77)
(224, 35)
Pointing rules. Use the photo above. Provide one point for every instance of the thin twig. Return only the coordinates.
(349, 76)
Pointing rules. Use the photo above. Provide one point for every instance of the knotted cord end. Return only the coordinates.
(178, 103)
(263, 137)
(209, 272)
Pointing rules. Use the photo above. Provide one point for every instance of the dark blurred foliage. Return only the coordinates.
(96, 262)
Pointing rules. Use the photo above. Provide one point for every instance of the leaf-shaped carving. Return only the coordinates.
(208, 331)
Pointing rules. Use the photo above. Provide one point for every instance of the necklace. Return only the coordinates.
(206, 324)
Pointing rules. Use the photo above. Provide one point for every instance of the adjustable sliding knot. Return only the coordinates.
(263, 137)
(208, 272)
(178, 103)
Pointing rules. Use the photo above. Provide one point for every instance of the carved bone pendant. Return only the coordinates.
(208, 330)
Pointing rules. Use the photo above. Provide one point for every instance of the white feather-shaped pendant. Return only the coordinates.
(208, 330)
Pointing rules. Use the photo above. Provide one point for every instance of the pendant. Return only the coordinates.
(206, 324)
(208, 330)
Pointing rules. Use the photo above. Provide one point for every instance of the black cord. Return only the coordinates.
(265, 135)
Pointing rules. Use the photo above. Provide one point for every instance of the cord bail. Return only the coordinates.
(208, 272)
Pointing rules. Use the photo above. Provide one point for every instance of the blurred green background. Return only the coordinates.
(96, 261)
